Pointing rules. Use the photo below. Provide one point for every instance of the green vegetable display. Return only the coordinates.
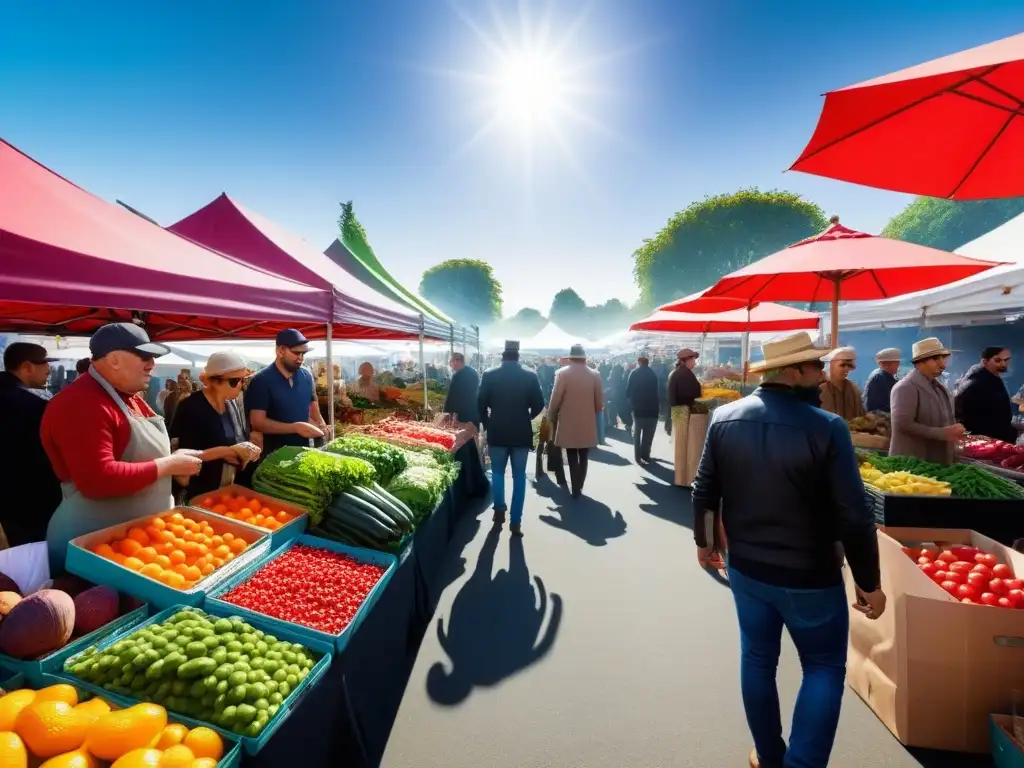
(967, 481)
(218, 670)
(309, 477)
(367, 517)
(420, 488)
(387, 460)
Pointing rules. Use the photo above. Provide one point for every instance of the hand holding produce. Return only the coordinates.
(970, 575)
(314, 587)
(249, 510)
(219, 670)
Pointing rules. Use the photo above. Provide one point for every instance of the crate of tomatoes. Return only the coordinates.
(946, 652)
(313, 590)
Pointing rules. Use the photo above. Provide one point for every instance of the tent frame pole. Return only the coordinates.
(330, 378)
(423, 369)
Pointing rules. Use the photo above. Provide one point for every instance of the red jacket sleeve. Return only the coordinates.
(87, 442)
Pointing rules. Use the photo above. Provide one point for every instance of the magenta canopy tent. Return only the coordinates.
(229, 227)
(72, 262)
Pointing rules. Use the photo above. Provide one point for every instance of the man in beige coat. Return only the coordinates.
(575, 402)
(923, 424)
(839, 395)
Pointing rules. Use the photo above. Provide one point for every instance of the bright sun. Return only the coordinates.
(530, 88)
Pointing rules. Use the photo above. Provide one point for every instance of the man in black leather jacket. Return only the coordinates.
(784, 478)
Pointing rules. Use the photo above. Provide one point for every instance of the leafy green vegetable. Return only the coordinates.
(310, 477)
(387, 460)
(420, 488)
(967, 481)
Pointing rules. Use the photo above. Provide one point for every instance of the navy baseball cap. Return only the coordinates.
(21, 352)
(124, 337)
(291, 338)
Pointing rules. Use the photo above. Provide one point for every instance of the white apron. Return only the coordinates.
(78, 515)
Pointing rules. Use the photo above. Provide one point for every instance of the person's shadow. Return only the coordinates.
(667, 501)
(602, 456)
(495, 626)
(588, 519)
(455, 567)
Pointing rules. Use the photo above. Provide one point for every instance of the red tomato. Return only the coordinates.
(922, 560)
(912, 552)
(1005, 602)
(986, 559)
(928, 553)
(967, 601)
(966, 593)
(939, 576)
(998, 587)
(978, 580)
(982, 568)
(965, 553)
(956, 577)
(987, 598)
(1017, 596)
(961, 566)
(1003, 571)
(950, 586)
(1014, 583)
(947, 557)
(928, 568)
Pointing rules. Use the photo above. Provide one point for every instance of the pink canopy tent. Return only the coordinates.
(73, 262)
(227, 226)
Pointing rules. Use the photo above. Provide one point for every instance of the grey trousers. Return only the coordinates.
(643, 436)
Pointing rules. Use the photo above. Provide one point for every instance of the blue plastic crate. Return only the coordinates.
(99, 570)
(33, 669)
(310, 637)
(249, 744)
(278, 538)
(1006, 752)
(11, 681)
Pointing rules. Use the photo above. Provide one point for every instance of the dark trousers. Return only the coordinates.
(643, 436)
(554, 454)
(578, 460)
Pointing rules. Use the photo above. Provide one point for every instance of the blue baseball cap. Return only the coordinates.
(290, 337)
(124, 337)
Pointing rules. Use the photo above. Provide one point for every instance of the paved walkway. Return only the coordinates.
(630, 660)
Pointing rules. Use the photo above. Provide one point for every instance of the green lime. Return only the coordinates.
(237, 694)
(238, 678)
(275, 698)
(221, 626)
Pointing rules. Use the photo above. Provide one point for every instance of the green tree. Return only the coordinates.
(568, 311)
(526, 322)
(606, 319)
(466, 289)
(948, 224)
(718, 235)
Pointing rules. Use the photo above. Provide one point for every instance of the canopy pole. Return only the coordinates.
(836, 283)
(330, 378)
(745, 354)
(423, 368)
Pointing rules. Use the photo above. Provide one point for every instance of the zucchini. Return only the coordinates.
(381, 503)
(368, 509)
(390, 497)
(352, 535)
(356, 518)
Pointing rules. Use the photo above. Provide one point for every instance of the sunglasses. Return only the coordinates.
(234, 381)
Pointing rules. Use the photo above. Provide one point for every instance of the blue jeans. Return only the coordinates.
(500, 457)
(818, 621)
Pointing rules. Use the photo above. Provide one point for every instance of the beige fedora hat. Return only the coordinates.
(790, 350)
(929, 347)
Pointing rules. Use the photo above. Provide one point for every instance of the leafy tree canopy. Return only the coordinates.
(948, 224)
(524, 323)
(718, 235)
(466, 289)
(568, 310)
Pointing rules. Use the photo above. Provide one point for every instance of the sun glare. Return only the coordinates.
(530, 88)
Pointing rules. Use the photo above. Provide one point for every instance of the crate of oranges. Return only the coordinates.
(172, 558)
(284, 521)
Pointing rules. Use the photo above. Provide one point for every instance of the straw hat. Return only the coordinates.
(576, 352)
(888, 355)
(929, 347)
(848, 354)
(798, 348)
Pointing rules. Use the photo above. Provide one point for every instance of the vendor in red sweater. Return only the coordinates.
(108, 448)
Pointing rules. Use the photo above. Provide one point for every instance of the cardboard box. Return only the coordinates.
(931, 668)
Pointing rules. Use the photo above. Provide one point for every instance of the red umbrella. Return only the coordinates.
(700, 303)
(843, 264)
(953, 127)
(762, 318)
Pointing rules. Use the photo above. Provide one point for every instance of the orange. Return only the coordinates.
(177, 530)
(129, 547)
(146, 554)
(176, 517)
(133, 563)
(166, 536)
(190, 548)
(222, 550)
(12, 751)
(50, 728)
(173, 734)
(158, 523)
(207, 569)
(178, 756)
(271, 524)
(59, 692)
(205, 742)
(228, 537)
(229, 557)
(216, 541)
(77, 759)
(153, 533)
(283, 517)
(203, 549)
(219, 509)
(175, 580)
(217, 562)
(139, 758)
(138, 535)
(118, 733)
(152, 570)
(205, 762)
(238, 546)
(118, 558)
(177, 557)
(192, 573)
(165, 576)
(93, 709)
(163, 561)
(192, 525)
(104, 550)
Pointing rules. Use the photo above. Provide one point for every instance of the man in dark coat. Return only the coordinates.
(25, 471)
(683, 387)
(642, 391)
(462, 392)
(881, 381)
(981, 400)
(510, 399)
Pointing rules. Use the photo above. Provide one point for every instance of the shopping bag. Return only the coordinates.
(28, 565)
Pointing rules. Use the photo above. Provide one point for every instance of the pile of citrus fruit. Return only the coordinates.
(174, 549)
(51, 729)
(251, 511)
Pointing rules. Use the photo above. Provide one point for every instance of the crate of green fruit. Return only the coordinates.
(236, 676)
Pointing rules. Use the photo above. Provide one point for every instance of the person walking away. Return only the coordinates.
(839, 395)
(108, 448)
(31, 488)
(281, 399)
(213, 423)
(616, 380)
(881, 381)
(510, 398)
(169, 386)
(575, 403)
(462, 392)
(642, 391)
(981, 402)
(781, 477)
(923, 417)
(683, 387)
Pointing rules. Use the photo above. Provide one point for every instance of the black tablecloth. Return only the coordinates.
(347, 718)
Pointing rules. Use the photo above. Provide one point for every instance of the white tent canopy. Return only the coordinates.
(989, 296)
(550, 338)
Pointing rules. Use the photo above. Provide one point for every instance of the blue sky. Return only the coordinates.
(293, 107)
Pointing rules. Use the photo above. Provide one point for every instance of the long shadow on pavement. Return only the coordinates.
(932, 758)
(495, 626)
(455, 567)
(588, 519)
(602, 456)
